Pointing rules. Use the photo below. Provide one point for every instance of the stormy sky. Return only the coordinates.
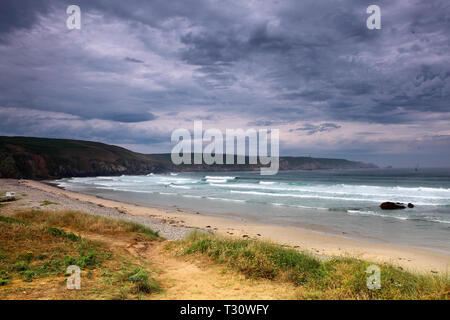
(136, 70)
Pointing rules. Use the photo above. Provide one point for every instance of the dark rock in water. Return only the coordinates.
(410, 205)
(392, 205)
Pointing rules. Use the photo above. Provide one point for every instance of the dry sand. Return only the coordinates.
(177, 223)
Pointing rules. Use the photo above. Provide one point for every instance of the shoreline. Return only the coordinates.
(321, 230)
(318, 243)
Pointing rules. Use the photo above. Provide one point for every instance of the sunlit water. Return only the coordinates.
(345, 202)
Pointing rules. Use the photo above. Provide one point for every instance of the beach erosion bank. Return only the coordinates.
(175, 224)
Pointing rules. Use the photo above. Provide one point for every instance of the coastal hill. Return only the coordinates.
(43, 158)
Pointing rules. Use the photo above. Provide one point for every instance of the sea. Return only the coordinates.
(341, 202)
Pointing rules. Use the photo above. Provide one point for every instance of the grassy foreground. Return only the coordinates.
(335, 278)
(36, 247)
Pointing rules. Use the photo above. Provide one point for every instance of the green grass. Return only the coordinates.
(143, 282)
(78, 221)
(47, 203)
(139, 228)
(336, 278)
(35, 250)
(61, 233)
(6, 219)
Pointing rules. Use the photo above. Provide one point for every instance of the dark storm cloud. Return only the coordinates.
(20, 14)
(267, 62)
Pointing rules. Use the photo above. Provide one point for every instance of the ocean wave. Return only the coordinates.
(439, 221)
(63, 185)
(213, 181)
(178, 181)
(378, 214)
(220, 177)
(315, 196)
(191, 196)
(124, 189)
(315, 192)
(179, 187)
(296, 206)
(309, 207)
(436, 219)
(225, 199)
(329, 190)
(373, 213)
(418, 192)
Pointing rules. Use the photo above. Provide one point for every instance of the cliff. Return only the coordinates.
(42, 158)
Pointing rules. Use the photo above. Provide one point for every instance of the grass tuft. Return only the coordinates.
(61, 233)
(6, 219)
(47, 203)
(78, 221)
(139, 228)
(316, 279)
(143, 282)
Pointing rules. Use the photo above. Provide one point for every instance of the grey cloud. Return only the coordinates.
(261, 123)
(309, 55)
(20, 14)
(312, 129)
(130, 117)
(59, 125)
(133, 60)
(265, 123)
(275, 62)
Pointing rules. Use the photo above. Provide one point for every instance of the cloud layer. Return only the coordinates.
(138, 69)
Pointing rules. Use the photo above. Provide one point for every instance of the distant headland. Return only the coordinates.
(44, 158)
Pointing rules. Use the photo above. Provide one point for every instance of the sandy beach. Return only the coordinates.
(175, 224)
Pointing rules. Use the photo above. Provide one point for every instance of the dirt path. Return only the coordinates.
(183, 278)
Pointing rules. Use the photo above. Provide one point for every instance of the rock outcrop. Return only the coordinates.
(392, 205)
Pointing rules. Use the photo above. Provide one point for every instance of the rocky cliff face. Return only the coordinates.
(38, 158)
(35, 158)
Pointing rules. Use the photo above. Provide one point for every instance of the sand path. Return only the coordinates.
(183, 278)
(194, 278)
